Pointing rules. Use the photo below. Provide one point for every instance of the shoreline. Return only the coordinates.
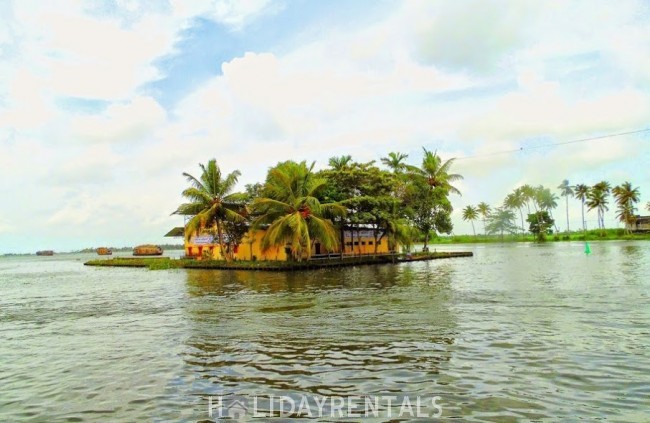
(592, 235)
(162, 263)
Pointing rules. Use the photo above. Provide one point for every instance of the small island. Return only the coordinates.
(349, 214)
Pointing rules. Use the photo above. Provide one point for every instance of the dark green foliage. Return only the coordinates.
(541, 224)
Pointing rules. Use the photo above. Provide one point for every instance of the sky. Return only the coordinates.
(104, 104)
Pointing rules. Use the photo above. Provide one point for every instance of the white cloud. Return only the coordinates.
(476, 36)
(129, 122)
(466, 79)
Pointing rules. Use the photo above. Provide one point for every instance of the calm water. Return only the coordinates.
(518, 332)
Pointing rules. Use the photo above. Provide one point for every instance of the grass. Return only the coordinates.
(164, 263)
(592, 235)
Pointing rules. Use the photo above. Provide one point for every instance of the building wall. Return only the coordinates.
(363, 242)
(642, 223)
(250, 247)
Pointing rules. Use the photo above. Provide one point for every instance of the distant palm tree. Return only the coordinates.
(647, 206)
(211, 202)
(340, 163)
(626, 197)
(484, 210)
(435, 173)
(547, 201)
(606, 188)
(289, 205)
(580, 192)
(515, 200)
(565, 191)
(395, 161)
(597, 199)
(470, 213)
(603, 186)
(529, 196)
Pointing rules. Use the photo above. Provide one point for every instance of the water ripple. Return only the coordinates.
(518, 332)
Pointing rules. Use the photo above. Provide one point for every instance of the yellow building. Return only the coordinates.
(355, 242)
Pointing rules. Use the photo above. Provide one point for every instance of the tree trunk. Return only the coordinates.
(359, 240)
(376, 240)
(584, 224)
(220, 234)
(521, 215)
(473, 230)
(550, 212)
(567, 215)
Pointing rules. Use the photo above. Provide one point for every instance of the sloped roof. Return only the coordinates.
(177, 231)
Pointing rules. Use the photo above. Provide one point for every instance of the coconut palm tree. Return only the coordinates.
(395, 161)
(529, 195)
(211, 202)
(340, 163)
(580, 192)
(597, 199)
(470, 213)
(647, 206)
(484, 210)
(625, 197)
(291, 208)
(606, 188)
(547, 201)
(565, 191)
(603, 186)
(515, 200)
(435, 173)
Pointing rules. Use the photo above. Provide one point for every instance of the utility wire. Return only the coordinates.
(555, 144)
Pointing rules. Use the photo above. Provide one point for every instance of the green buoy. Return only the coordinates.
(587, 248)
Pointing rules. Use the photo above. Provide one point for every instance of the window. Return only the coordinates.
(356, 242)
(369, 242)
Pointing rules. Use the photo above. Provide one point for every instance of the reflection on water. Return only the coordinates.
(518, 332)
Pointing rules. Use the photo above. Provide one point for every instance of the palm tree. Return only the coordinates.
(529, 196)
(605, 187)
(647, 206)
(566, 191)
(547, 201)
(515, 200)
(340, 163)
(484, 210)
(398, 230)
(211, 202)
(435, 173)
(626, 197)
(597, 199)
(290, 206)
(580, 192)
(470, 213)
(395, 161)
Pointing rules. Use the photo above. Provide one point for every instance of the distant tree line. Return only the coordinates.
(539, 203)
